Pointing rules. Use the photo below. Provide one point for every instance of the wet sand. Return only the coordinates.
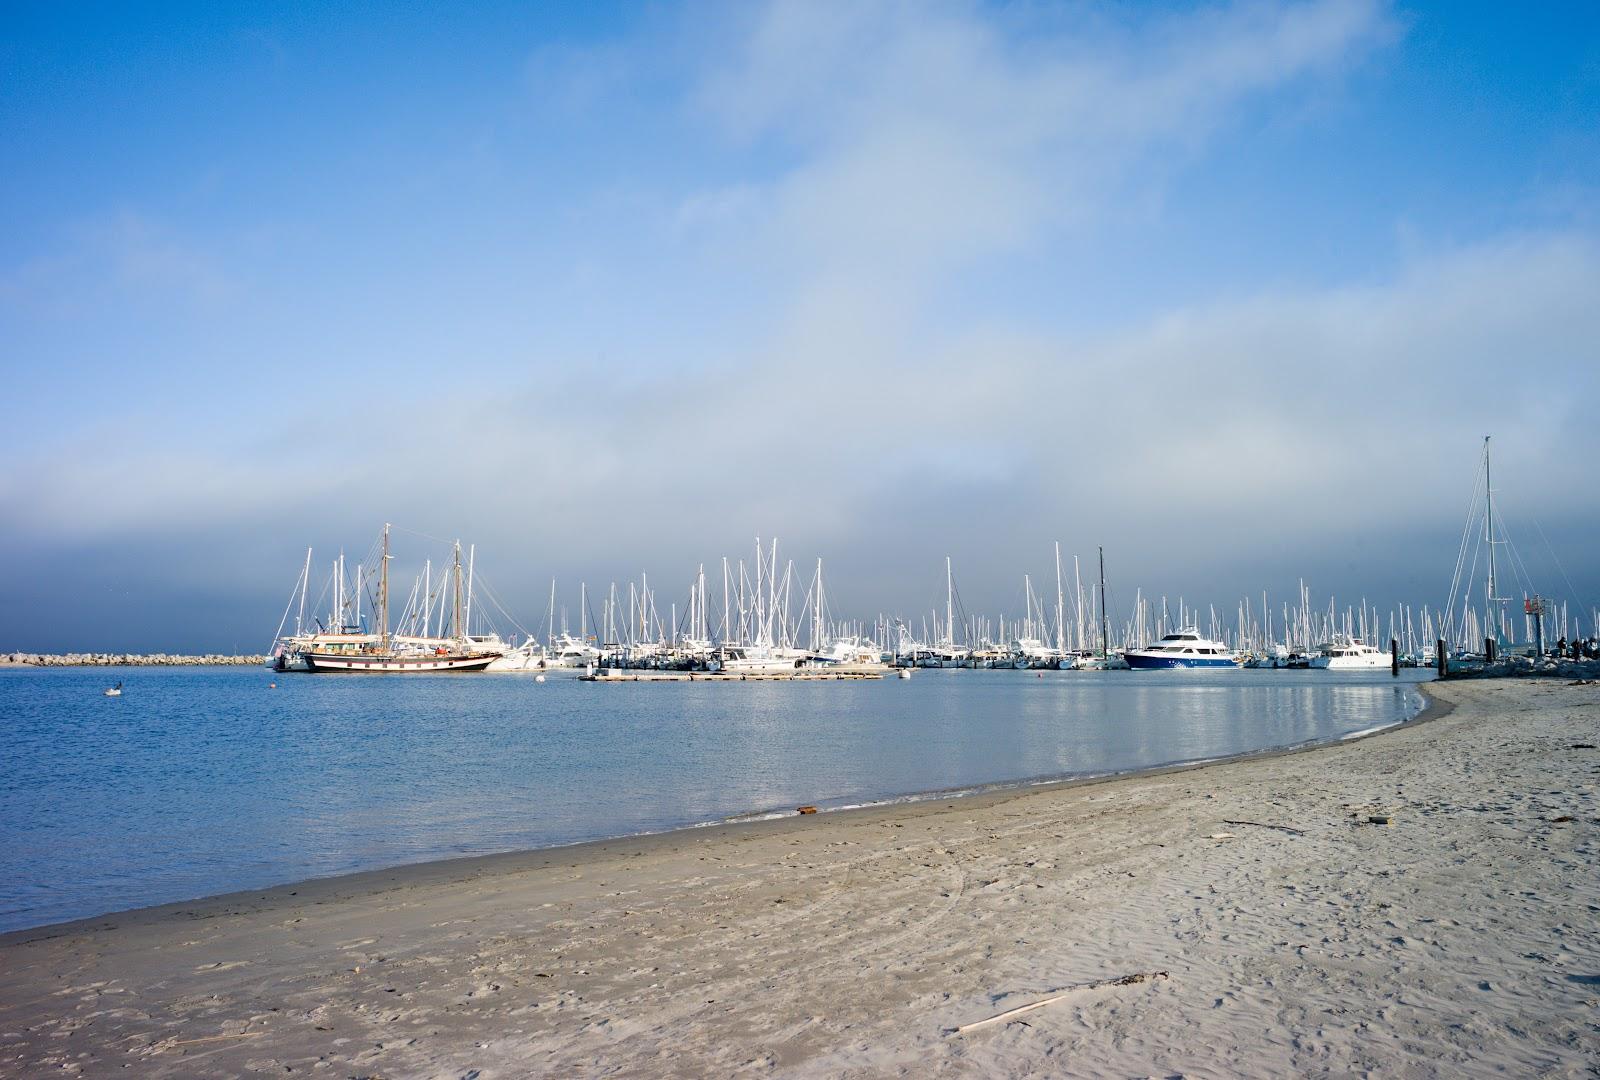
(1296, 935)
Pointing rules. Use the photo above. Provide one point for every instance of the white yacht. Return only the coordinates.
(525, 657)
(567, 651)
(1184, 649)
(759, 660)
(1349, 655)
(1029, 652)
(850, 654)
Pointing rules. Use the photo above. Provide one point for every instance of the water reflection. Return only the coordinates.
(201, 781)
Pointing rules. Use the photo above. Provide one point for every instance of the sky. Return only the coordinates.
(1233, 290)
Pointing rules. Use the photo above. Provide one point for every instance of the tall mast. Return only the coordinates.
(1105, 636)
(1077, 587)
(1493, 624)
(949, 603)
(817, 629)
(472, 559)
(1061, 632)
(305, 583)
(455, 611)
(383, 593)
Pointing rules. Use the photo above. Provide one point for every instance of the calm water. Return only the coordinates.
(199, 781)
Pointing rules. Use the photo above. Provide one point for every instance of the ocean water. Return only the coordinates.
(199, 781)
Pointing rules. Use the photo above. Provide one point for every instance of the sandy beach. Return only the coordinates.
(1424, 902)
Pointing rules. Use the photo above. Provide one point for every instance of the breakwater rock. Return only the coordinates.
(1511, 667)
(15, 659)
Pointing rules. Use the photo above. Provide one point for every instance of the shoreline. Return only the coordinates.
(444, 870)
(1421, 903)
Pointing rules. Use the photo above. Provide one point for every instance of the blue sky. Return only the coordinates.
(1234, 289)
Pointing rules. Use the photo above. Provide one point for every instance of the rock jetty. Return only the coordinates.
(18, 659)
(1511, 667)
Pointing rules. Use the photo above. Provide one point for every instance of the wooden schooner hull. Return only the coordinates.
(394, 665)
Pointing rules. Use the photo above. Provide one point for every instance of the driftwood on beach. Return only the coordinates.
(1062, 995)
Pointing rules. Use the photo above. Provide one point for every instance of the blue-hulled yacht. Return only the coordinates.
(1184, 649)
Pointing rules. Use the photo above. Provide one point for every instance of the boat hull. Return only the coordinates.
(1150, 663)
(1381, 662)
(330, 663)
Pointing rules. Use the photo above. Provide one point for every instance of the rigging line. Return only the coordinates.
(1524, 576)
(422, 535)
(1461, 551)
(1572, 589)
(480, 584)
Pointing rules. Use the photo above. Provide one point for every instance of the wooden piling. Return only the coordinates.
(1394, 658)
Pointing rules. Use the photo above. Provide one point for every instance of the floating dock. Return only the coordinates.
(618, 675)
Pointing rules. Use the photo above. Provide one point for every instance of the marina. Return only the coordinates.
(765, 618)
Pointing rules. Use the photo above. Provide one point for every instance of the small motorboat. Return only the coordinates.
(115, 691)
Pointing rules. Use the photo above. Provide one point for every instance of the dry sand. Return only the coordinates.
(1463, 938)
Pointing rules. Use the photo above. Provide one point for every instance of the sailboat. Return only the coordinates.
(389, 653)
(115, 691)
(1107, 660)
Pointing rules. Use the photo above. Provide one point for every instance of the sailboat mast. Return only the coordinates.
(1061, 631)
(949, 602)
(1105, 636)
(455, 608)
(305, 584)
(383, 592)
(1077, 588)
(472, 559)
(1493, 626)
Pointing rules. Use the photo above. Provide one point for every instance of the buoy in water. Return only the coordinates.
(538, 678)
(905, 673)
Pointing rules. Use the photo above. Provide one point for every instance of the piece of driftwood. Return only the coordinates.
(1266, 825)
(212, 1038)
(1126, 980)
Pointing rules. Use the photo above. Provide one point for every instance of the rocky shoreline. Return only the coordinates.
(22, 659)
